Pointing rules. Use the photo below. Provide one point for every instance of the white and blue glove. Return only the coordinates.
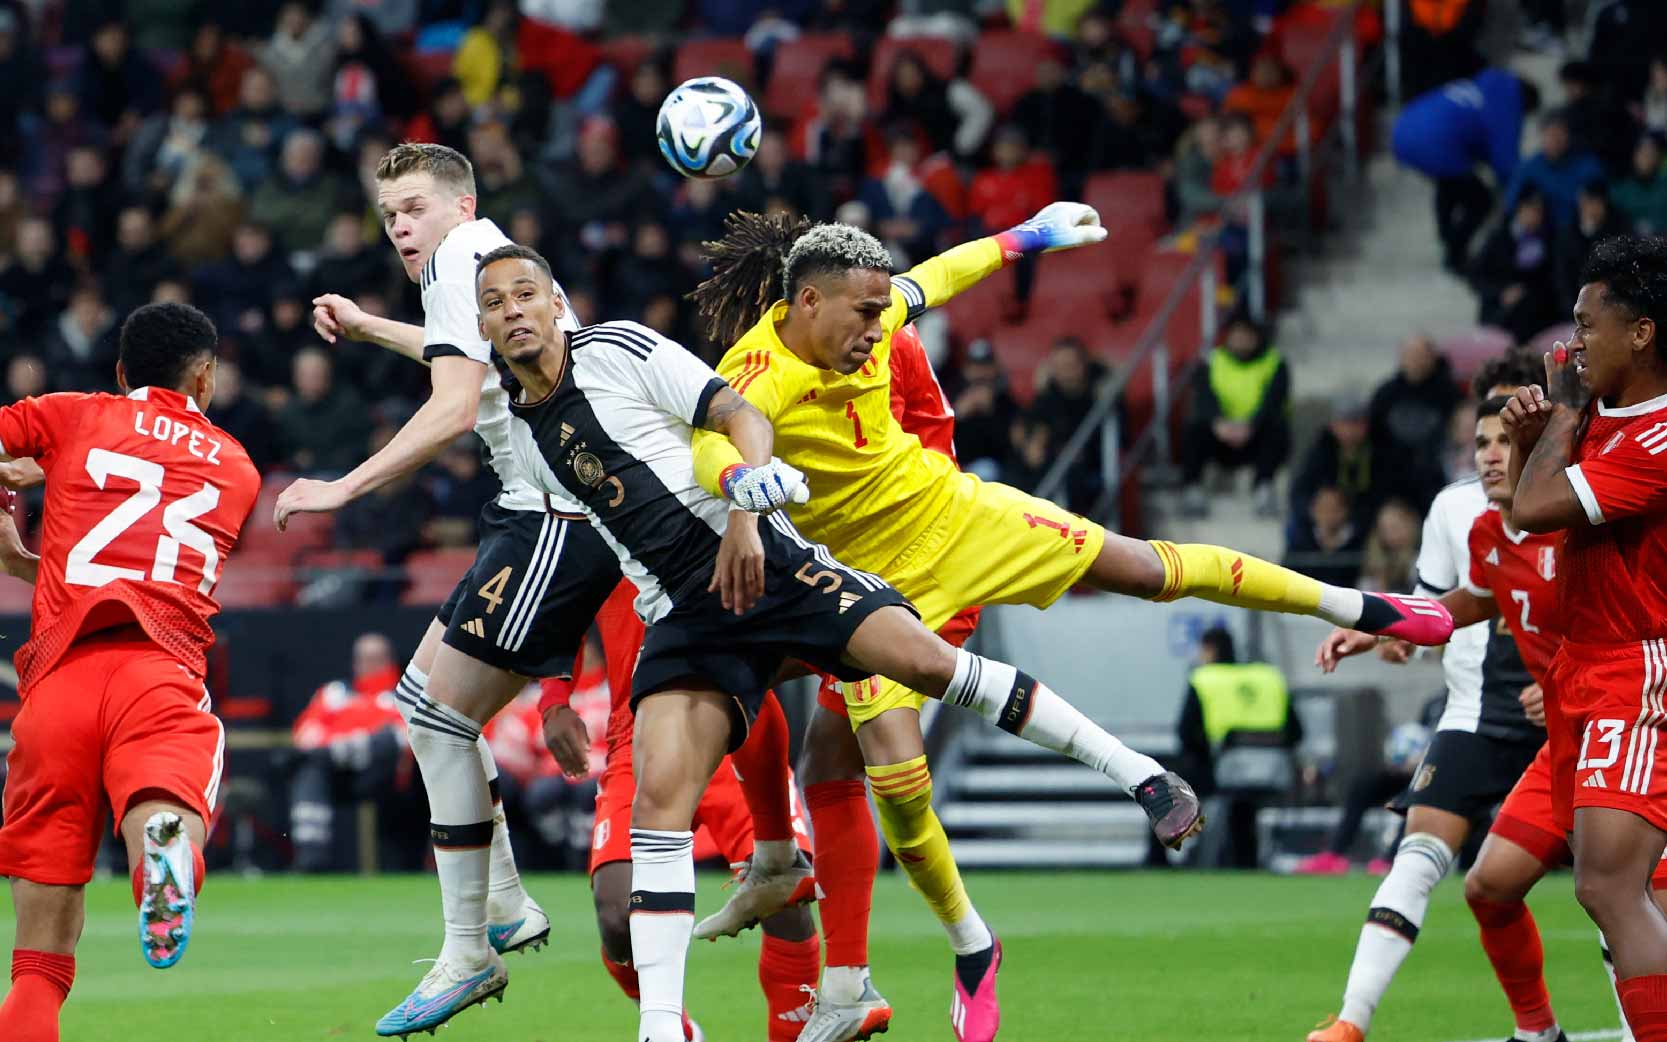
(762, 490)
(1057, 226)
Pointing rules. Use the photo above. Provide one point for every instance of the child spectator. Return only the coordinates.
(1392, 550)
(1325, 543)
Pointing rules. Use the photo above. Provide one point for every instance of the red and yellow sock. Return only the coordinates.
(847, 860)
(1216, 573)
(903, 793)
(785, 970)
(40, 983)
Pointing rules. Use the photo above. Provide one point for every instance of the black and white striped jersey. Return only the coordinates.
(451, 327)
(615, 436)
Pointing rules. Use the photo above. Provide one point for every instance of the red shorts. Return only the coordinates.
(1606, 750)
(723, 825)
(1527, 817)
(115, 720)
(955, 632)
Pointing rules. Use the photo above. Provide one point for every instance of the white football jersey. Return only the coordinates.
(1443, 566)
(451, 326)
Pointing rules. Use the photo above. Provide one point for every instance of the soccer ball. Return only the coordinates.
(1405, 746)
(708, 127)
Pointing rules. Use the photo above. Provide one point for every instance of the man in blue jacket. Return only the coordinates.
(1447, 133)
(1557, 171)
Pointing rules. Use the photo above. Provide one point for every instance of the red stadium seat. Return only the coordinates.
(1131, 206)
(979, 309)
(625, 53)
(797, 68)
(1159, 272)
(1004, 65)
(1468, 350)
(939, 54)
(432, 574)
(15, 598)
(1082, 283)
(428, 68)
(254, 583)
(714, 56)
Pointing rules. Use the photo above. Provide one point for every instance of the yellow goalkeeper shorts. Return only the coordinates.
(994, 545)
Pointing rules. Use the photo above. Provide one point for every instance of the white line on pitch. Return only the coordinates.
(1577, 1036)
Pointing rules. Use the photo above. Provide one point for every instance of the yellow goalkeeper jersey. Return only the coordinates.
(873, 488)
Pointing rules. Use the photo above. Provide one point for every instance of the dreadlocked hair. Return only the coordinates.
(747, 265)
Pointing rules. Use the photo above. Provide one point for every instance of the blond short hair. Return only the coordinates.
(447, 166)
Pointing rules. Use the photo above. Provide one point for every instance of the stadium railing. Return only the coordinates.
(1155, 354)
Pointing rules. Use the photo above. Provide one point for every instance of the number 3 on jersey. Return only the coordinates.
(81, 570)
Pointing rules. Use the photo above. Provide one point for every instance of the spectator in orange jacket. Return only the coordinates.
(351, 745)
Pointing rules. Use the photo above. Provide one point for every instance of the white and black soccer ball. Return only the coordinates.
(1405, 746)
(708, 127)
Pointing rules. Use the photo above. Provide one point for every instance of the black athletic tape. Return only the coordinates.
(654, 902)
(461, 837)
(1020, 701)
(492, 789)
(1393, 920)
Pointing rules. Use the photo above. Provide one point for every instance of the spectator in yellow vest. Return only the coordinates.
(1233, 708)
(1238, 416)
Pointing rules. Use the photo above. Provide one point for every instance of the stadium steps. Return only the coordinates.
(1008, 804)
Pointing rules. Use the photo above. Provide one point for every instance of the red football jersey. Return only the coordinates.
(917, 399)
(1519, 570)
(1615, 589)
(144, 501)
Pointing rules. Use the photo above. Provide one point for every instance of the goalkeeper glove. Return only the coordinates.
(1056, 226)
(761, 490)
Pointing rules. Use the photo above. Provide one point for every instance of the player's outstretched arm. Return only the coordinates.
(1057, 226)
(337, 316)
(449, 412)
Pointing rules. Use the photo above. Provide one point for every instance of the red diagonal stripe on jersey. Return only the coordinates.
(758, 363)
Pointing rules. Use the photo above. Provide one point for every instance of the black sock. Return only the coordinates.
(1376, 614)
(971, 968)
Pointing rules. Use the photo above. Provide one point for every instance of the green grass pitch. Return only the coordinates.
(1156, 957)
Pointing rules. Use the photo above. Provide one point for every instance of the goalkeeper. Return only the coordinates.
(809, 313)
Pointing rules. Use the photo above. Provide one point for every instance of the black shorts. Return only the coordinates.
(811, 607)
(1467, 774)
(536, 585)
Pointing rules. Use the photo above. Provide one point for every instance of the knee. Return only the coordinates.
(1480, 888)
(1601, 893)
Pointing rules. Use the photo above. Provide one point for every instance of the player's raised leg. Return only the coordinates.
(680, 738)
(1496, 888)
(445, 730)
(49, 921)
(165, 847)
(1164, 571)
(1394, 917)
(514, 921)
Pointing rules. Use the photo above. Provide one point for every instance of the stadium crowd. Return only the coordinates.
(220, 155)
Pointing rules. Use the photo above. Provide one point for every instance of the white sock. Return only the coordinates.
(1022, 705)
(1609, 968)
(1340, 606)
(505, 895)
(1392, 923)
(843, 983)
(1550, 1034)
(662, 919)
(969, 934)
(410, 691)
(774, 853)
(460, 822)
